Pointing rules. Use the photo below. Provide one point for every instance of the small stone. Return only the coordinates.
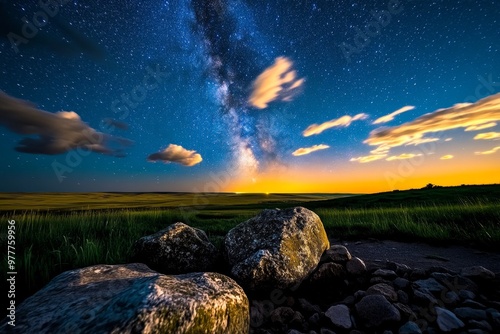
(359, 294)
(375, 310)
(476, 331)
(447, 321)
(466, 294)
(340, 316)
(307, 308)
(400, 269)
(418, 273)
(424, 297)
(410, 328)
(282, 315)
(349, 301)
(403, 297)
(314, 319)
(473, 304)
(326, 331)
(468, 313)
(429, 284)
(385, 273)
(337, 253)
(483, 324)
(451, 298)
(401, 283)
(356, 267)
(478, 272)
(443, 278)
(405, 311)
(383, 289)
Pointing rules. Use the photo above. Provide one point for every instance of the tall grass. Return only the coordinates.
(469, 223)
(50, 243)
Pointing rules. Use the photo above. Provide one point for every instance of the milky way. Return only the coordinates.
(234, 64)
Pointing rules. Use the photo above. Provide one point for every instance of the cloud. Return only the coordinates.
(309, 150)
(115, 123)
(390, 117)
(448, 139)
(462, 115)
(56, 132)
(344, 121)
(176, 154)
(481, 127)
(492, 151)
(369, 158)
(403, 156)
(487, 136)
(447, 157)
(277, 82)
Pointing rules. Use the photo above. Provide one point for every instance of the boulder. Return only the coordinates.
(134, 299)
(276, 249)
(375, 310)
(410, 328)
(178, 249)
(429, 284)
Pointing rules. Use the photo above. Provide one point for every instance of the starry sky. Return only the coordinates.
(248, 96)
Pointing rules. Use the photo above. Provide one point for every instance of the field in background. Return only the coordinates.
(58, 232)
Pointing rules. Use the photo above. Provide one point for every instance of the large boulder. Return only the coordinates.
(134, 299)
(276, 249)
(178, 249)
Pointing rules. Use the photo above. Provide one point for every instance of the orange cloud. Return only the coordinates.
(481, 127)
(177, 154)
(368, 158)
(447, 157)
(309, 150)
(344, 121)
(277, 82)
(462, 115)
(390, 117)
(487, 136)
(403, 156)
(492, 151)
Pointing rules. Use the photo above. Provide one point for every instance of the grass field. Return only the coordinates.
(58, 232)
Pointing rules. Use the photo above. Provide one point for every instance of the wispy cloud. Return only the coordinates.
(369, 158)
(309, 150)
(448, 139)
(481, 127)
(277, 82)
(492, 151)
(487, 136)
(344, 121)
(390, 117)
(403, 156)
(462, 115)
(57, 132)
(177, 154)
(447, 157)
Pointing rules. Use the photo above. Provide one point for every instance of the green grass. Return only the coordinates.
(49, 242)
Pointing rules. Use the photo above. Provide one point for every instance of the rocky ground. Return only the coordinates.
(343, 295)
(277, 273)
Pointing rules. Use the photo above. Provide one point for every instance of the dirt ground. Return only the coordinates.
(419, 255)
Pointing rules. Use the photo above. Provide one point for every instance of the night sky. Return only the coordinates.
(249, 96)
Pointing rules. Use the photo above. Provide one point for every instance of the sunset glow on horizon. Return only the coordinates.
(282, 97)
